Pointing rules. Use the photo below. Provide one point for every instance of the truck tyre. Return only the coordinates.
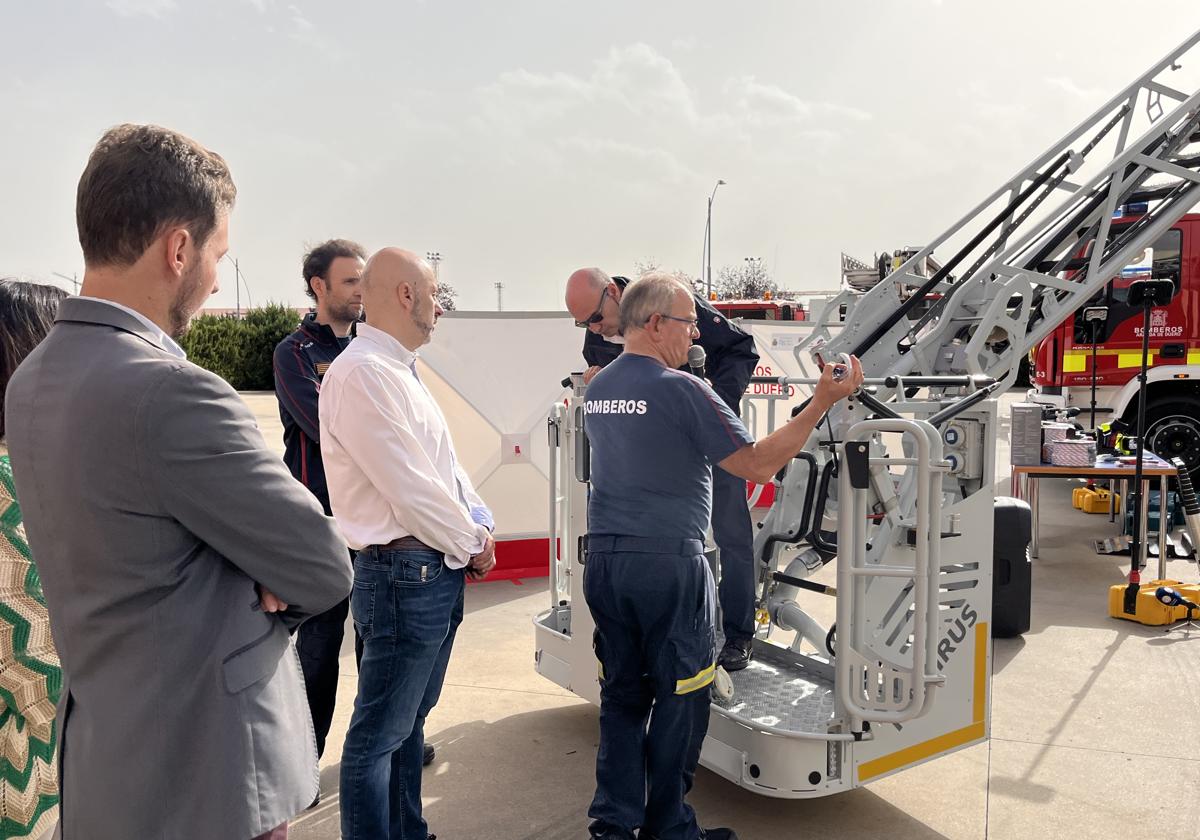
(1173, 430)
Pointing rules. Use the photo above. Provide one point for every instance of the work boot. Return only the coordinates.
(718, 834)
(427, 757)
(736, 654)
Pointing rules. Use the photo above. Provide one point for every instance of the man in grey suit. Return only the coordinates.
(175, 550)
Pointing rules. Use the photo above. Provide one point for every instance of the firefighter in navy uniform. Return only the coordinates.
(656, 433)
(593, 299)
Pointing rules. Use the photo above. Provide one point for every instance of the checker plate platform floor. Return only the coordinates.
(772, 693)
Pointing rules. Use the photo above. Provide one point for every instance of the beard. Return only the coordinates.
(424, 319)
(185, 304)
(347, 312)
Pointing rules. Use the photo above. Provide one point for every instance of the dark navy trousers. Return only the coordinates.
(319, 645)
(653, 605)
(734, 535)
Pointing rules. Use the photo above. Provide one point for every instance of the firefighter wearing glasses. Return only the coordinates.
(593, 299)
(656, 434)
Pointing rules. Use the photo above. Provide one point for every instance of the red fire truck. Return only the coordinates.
(766, 309)
(1062, 363)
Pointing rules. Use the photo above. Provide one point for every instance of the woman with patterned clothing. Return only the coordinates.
(30, 677)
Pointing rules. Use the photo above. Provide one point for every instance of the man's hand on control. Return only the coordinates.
(590, 373)
(484, 561)
(829, 390)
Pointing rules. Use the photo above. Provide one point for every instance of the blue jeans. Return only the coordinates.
(406, 606)
(654, 639)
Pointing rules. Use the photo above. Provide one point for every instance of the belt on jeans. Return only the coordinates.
(613, 543)
(404, 543)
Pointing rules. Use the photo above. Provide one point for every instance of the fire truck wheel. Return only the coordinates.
(1173, 430)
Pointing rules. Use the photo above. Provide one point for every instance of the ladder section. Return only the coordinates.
(1041, 244)
(871, 685)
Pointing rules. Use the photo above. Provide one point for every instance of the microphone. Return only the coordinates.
(1167, 595)
(696, 358)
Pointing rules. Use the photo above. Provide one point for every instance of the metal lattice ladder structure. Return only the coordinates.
(1011, 291)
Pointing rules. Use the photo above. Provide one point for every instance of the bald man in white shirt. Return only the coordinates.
(404, 502)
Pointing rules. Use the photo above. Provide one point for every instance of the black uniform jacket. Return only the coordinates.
(730, 356)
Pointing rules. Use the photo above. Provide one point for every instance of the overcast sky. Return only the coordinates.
(522, 140)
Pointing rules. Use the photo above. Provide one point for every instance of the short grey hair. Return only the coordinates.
(651, 294)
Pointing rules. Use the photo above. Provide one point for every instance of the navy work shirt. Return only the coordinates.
(655, 434)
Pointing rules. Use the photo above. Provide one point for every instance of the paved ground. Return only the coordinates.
(1093, 724)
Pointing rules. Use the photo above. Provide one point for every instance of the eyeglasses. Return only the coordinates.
(693, 323)
(597, 316)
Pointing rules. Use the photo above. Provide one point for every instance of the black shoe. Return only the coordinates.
(735, 656)
(718, 834)
(315, 802)
(427, 758)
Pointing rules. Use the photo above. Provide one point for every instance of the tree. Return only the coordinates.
(445, 297)
(643, 267)
(748, 281)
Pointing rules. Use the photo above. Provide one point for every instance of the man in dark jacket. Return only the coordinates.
(332, 272)
(593, 299)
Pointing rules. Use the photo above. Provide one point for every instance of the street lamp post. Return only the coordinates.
(708, 241)
(238, 280)
(435, 259)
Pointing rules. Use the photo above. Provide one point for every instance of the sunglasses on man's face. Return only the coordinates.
(597, 316)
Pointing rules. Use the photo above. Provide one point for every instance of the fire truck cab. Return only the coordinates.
(766, 309)
(1063, 362)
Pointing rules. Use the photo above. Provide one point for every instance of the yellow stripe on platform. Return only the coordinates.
(699, 681)
(926, 749)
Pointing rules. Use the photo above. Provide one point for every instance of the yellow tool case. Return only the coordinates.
(1149, 610)
(1094, 499)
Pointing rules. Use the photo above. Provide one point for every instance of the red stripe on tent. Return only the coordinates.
(527, 558)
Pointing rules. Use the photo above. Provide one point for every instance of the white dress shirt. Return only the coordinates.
(169, 344)
(389, 459)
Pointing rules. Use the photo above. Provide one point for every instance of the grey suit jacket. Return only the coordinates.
(152, 506)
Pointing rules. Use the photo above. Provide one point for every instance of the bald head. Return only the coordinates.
(400, 296)
(590, 294)
(583, 287)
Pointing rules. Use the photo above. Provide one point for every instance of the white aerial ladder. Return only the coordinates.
(898, 485)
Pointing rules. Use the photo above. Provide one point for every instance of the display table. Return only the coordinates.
(1025, 486)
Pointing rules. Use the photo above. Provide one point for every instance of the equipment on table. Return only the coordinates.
(1025, 439)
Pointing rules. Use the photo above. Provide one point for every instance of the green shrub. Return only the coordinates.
(240, 350)
(215, 343)
(262, 329)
